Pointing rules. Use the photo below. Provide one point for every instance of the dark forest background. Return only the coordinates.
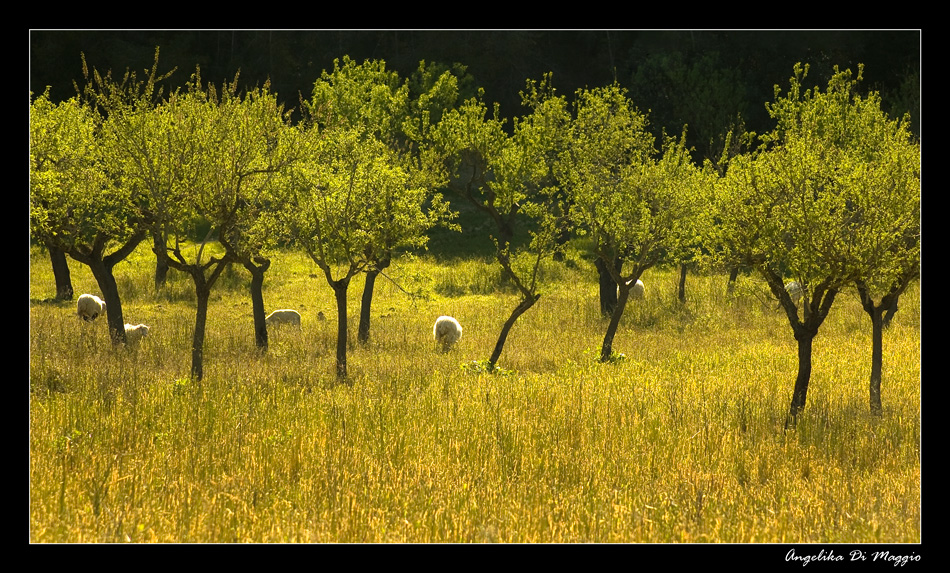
(710, 80)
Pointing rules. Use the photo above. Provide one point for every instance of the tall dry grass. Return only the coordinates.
(681, 441)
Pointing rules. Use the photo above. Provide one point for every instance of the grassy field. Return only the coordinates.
(682, 441)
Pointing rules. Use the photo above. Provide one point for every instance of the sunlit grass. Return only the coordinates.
(680, 441)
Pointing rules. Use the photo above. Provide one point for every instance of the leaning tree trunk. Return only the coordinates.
(366, 302)
(522, 307)
(606, 349)
(64, 285)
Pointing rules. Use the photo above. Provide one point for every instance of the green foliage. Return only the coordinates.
(351, 200)
(834, 193)
(359, 164)
(366, 95)
(634, 205)
(75, 200)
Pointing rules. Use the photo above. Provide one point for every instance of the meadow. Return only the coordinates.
(680, 441)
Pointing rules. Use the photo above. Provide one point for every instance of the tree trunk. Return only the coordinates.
(733, 275)
(606, 350)
(880, 314)
(101, 267)
(366, 302)
(608, 286)
(339, 292)
(257, 305)
(110, 295)
(64, 285)
(886, 320)
(801, 381)
(877, 354)
(161, 262)
(682, 285)
(198, 338)
(523, 306)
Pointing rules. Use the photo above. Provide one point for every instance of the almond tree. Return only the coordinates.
(192, 159)
(349, 196)
(232, 146)
(81, 202)
(883, 178)
(512, 180)
(377, 103)
(51, 156)
(638, 209)
(802, 205)
(257, 145)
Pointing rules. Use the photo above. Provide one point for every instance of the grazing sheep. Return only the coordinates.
(89, 307)
(447, 331)
(794, 291)
(636, 291)
(283, 316)
(135, 332)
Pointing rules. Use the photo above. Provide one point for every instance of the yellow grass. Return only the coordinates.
(681, 441)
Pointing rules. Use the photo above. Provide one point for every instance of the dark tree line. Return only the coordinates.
(700, 78)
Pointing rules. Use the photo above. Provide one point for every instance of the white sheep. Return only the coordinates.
(283, 316)
(447, 331)
(794, 291)
(635, 292)
(135, 332)
(89, 307)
